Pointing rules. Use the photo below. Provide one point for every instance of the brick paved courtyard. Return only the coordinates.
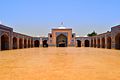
(60, 64)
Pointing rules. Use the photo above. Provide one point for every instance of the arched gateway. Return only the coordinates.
(61, 40)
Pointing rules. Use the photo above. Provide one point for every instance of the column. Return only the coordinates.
(93, 42)
(96, 42)
(106, 42)
(17, 43)
(33, 43)
(26, 42)
(100, 42)
(22, 42)
(30, 42)
(90, 42)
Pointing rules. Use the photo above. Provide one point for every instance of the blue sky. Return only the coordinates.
(37, 17)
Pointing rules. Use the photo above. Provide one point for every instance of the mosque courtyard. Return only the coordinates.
(53, 63)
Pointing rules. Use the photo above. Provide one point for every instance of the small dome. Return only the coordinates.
(61, 27)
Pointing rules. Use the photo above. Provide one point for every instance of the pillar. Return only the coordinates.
(96, 42)
(26, 42)
(30, 42)
(100, 42)
(90, 42)
(17, 43)
(33, 43)
(10, 39)
(22, 42)
(106, 42)
(93, 42)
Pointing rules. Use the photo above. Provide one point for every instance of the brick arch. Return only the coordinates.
(20, 43)
(25, 43)
(117, 41)
(4, 42)
(86, 43)
(14, 43)
(29, 43)
(36, 43)
(61, 40)
(103, 42)
(78, 43)
(98, 44)
(109, 42)
(45, 44)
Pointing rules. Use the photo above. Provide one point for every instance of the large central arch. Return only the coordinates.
(4, 42)
(61, 41)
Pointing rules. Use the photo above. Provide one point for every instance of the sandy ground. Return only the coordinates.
(60, 64)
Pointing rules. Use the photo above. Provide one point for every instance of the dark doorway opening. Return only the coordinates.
(78, 43)
(4, 42)
(20, 43)
(29, 43)
(36, 43)
(61, 41)
(45, 44)
(117, 41)
(86, 43)
(14, 43)
(109, 42)
(98, 45)
(103, 42)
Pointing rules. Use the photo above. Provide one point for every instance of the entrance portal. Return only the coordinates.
(61, 41)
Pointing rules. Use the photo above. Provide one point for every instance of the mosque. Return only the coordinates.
(59, 37)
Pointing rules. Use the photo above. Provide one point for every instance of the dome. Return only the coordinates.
(61, 27)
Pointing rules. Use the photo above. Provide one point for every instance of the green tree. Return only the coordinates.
(92, 34)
